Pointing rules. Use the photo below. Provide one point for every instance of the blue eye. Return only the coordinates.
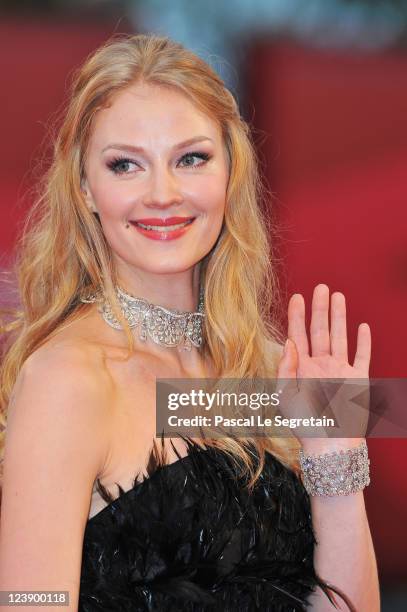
(117, 164)
(120, 165)
(200, 155)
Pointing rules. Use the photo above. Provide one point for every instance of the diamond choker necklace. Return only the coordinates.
(166, 327)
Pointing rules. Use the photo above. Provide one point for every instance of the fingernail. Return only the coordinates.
(286, 346)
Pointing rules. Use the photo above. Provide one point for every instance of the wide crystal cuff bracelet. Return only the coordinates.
(336, 473)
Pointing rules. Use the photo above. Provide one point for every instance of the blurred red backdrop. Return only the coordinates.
(332, 134)
(36, 59)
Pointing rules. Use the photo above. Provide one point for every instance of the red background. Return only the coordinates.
(332, 132)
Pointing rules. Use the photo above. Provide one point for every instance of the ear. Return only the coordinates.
(88, 196)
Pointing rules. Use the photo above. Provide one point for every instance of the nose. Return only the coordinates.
(162, 190)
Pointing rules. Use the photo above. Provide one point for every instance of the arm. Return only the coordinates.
(344, 554)
(56, 444)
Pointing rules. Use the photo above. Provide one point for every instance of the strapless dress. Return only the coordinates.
(190, 537)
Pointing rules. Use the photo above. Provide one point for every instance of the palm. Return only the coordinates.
(327, 359)
(326, 367)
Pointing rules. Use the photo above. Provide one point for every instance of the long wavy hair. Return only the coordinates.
(62, 253)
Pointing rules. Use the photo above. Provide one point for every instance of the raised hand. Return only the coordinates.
(328, 357)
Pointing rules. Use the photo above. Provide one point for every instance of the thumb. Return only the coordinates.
(289, 361)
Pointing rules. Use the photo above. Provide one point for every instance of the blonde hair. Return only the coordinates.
(62, 252)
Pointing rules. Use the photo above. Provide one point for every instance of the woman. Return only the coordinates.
(151, 205)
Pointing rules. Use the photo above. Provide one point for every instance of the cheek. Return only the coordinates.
(112, 199)
(210, 198)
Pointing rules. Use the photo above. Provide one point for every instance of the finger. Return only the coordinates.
(339, 340)
(287, 374)
(289, 361)
(363, 348)
(320, 340)
(296, 323)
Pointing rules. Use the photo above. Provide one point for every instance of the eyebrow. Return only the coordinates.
(180, 145)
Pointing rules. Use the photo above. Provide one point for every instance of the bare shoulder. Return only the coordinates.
(66, 382)
(67, 372)
(57, 441)
(63, 391)
(74, 353)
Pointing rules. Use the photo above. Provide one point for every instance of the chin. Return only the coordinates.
(165, 268)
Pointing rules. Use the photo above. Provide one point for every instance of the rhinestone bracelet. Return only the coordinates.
(336, 473)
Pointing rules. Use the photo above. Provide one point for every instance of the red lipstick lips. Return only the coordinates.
(165, 222)
(156, 228)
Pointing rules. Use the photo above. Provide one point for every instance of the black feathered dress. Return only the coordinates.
(190, 537)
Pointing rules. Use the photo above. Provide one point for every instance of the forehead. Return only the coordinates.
(152, 113)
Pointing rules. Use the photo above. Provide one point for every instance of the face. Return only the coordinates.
(158, 164)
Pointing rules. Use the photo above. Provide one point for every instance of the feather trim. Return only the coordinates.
(191, 538)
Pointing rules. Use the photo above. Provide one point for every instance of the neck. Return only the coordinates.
(176, 291)
(176, 337)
